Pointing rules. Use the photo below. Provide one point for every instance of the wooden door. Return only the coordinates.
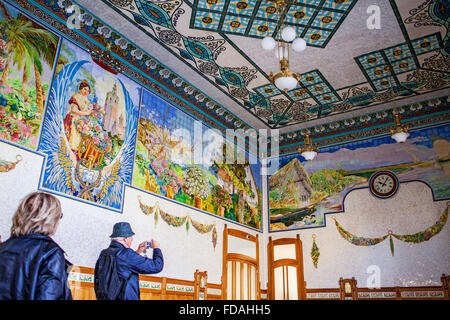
(285, 265)
(240, 278)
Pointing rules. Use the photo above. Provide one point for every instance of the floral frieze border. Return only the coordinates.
(81, 277)
(214, 291)
(422, 294)
(179, 288)
(367, 120)
(377, 295)
(323, 295)
(149, 285)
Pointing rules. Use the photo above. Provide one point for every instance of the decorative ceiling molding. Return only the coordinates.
(429, 112)
(415, 66)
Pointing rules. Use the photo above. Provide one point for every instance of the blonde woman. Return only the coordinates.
(32, 265)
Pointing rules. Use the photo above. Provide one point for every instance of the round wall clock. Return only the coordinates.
(383, 184)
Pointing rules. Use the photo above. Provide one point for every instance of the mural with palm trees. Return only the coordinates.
(27, 55)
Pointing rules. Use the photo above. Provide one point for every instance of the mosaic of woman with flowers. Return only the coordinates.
(86, 119)
(79, 107)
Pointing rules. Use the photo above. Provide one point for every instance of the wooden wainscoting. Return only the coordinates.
(348, 290)
(214, 291)
(81, 282)
(155, 288)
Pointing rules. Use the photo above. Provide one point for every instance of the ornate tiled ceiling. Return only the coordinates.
(314, 20)
(347, 69)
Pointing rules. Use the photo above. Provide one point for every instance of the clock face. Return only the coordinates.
(383, 184)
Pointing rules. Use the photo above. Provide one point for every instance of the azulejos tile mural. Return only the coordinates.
(302, 192)
(90, 140)
(27, 56)
(89, 130)
(183, 160)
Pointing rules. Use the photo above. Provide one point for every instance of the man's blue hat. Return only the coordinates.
(122, 229)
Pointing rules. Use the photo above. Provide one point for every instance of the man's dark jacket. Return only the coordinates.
(33, 267)
(130, 264)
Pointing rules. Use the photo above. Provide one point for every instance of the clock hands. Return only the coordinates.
(382, 184)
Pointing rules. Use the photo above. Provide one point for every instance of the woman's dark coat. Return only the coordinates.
(33, 267)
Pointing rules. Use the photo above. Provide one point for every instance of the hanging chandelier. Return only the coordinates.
(400, 132)
(284, 79)
(308, 151)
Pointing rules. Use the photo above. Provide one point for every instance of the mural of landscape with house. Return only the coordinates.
(301, 192)
(27, 54)
(166, 164)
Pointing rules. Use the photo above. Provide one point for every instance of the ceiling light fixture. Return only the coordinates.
(284, 80)
(308, 152)
(400, 132)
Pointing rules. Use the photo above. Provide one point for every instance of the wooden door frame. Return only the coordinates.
(238, 257)
(296, 263)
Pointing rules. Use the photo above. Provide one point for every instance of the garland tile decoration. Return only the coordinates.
(356, 240)
(178, 221)
(418, 237)
(6, 166)
(315, 252)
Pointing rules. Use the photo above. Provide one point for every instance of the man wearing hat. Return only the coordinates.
(128, 263)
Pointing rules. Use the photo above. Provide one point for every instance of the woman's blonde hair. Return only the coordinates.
(39, 212)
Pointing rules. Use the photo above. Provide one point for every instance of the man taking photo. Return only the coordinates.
(118, 266)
